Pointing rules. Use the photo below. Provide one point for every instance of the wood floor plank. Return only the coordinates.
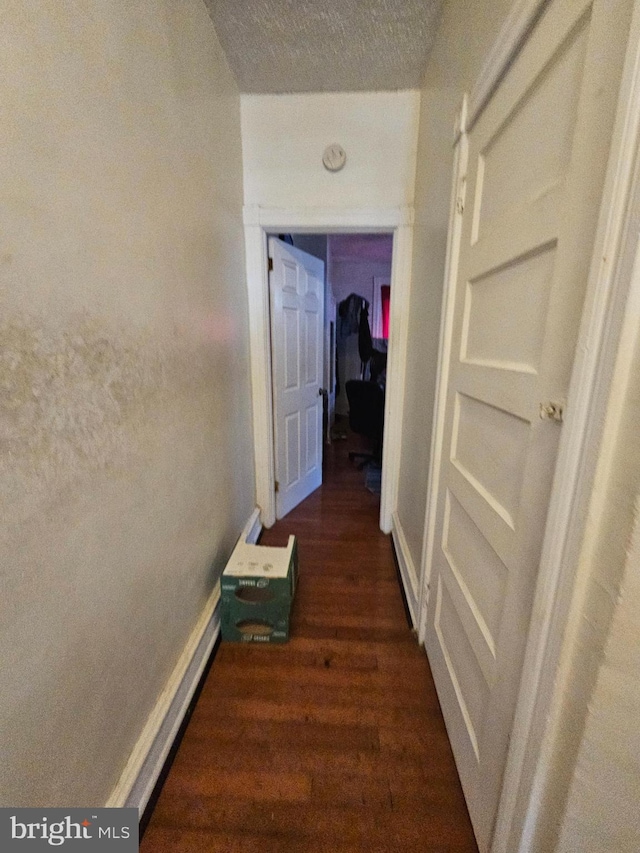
(234, 654)
(340, 823)
(335, 741)
(179, 840)
(307, 761)
(277, 734)
(243, 781)
(258, 709)
(260, 675)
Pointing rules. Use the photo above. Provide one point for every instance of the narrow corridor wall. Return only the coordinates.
(124, 379)
(466, 33)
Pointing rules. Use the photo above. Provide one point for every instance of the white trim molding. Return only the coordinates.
(518, 24)
(401, 264)
(454, 235)
(407, 568)
(142, 770)
(319, 219)
(260, 353)
(258, 222)
(252, 529)
(611, 306)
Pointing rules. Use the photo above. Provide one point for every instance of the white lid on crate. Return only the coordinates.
(260, 560)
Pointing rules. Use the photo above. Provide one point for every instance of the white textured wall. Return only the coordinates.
(124, 393)
(356, 276)
(602, 811)
(590, 802)
(283, 137)
(467, 31)
(314, 244)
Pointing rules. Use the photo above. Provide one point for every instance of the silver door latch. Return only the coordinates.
(552, 411)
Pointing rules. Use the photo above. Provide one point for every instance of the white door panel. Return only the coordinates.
(536, 161)
(297, 316)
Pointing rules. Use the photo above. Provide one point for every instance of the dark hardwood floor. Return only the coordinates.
(334, 742)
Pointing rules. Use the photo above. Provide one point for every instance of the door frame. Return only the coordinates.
(610, 309)
(329, 360)
(258, 222)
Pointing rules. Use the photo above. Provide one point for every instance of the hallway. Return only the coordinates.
(334, 742)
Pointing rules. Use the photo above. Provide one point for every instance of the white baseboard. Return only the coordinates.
(136, 784)
(407, 568)
(252, 528)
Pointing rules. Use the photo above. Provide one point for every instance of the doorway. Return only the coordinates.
(259, 223)
(330, 308)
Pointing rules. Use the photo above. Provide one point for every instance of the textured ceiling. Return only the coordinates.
(279, 46)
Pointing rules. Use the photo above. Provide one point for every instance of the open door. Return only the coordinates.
(296, 282)
(536, 164)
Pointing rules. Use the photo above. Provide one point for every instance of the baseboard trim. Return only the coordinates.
(253, 528)
(146, 762)
(150, 752)
(407, 567)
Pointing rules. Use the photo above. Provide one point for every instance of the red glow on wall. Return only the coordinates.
(385, 299)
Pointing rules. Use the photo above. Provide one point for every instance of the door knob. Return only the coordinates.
(552, 411)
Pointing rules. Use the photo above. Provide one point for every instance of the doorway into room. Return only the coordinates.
(330, 313)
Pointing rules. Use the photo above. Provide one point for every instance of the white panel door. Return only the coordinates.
(297, 318)
(537, 156)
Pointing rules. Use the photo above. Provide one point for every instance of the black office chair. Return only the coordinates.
(366, 417)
